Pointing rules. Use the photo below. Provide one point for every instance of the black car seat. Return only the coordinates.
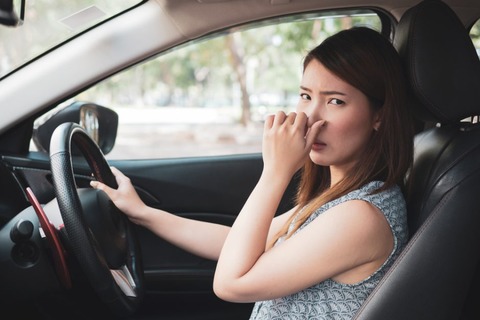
(438, 276)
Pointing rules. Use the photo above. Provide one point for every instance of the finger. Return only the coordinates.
(115, 171)
(119, 176)
(313, 132)
(301, 122)
(269, 121)
(301, 119)
(279, 119)
(101, 186)
(291, 118)
(97, 185)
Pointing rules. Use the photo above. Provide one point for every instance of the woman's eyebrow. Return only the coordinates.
(325, 92)
(305, 89)
(332, 92)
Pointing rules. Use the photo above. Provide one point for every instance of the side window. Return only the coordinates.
(210, 97)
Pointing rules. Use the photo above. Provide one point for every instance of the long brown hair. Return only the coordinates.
(366, 60)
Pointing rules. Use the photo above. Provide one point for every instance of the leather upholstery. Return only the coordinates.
(441, 62)
(436, 276)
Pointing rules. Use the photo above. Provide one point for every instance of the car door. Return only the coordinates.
(209, 189)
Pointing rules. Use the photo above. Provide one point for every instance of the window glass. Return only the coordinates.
(47, 24)
(210, 97)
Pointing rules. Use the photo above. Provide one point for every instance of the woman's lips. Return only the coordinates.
(318, 145)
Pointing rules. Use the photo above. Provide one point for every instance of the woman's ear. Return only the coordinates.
(377, 120)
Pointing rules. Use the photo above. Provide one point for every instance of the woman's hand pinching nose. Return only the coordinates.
(313, 131)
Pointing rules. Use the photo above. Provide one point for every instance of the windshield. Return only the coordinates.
(48, 23)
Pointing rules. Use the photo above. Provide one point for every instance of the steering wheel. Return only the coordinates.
(101, 238)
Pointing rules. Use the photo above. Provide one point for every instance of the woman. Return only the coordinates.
(351, 137)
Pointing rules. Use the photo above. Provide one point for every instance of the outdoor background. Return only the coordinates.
(210, 97)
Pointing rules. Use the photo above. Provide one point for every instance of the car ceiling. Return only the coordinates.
(153, 27)
(217, 13)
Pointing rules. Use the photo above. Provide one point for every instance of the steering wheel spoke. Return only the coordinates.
(125, 281)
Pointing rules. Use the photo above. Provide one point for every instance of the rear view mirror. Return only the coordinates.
(12, 12)
(99, 122)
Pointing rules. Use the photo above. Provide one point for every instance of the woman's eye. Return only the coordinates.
(304, 96)
(336, 102)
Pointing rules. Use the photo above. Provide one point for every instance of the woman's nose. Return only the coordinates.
(313, 117)
(313, 110)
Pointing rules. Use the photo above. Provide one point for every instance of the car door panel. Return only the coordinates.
(211, 189)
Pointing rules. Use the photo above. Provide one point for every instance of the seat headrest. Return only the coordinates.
(441, 62)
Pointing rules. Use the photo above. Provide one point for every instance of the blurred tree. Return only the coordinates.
(256, 67)
(237, 58)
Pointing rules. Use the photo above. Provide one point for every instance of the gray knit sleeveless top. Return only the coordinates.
(331, 300)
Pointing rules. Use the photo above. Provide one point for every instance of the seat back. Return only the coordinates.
(436, 276)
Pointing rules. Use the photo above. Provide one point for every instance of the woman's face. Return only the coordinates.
(349, 119)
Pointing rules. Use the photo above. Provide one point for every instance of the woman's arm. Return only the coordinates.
(348, 242)
(201, 238)
(197, 237)
(286, 145)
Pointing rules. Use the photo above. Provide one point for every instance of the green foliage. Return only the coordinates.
(202, 73)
